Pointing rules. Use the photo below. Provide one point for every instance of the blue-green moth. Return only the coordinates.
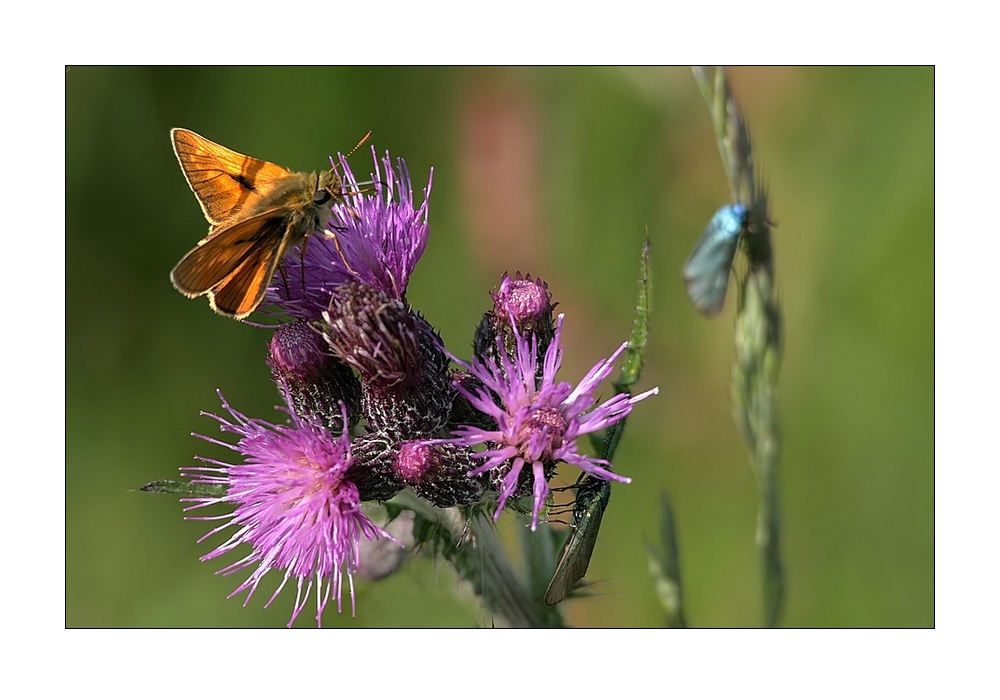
(707, 270)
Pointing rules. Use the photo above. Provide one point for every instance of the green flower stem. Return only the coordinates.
(501, 588)
(471, 544)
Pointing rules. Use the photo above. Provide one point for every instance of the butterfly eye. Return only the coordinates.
(321, 196)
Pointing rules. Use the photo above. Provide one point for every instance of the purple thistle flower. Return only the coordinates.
(538, 422)
(375, 239)
(293, 506)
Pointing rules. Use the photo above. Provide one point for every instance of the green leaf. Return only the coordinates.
(393, 510)
(632, 366)
(185, 488)
(539, 550)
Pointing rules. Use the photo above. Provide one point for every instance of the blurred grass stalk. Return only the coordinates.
(757, 333)
(665, 567)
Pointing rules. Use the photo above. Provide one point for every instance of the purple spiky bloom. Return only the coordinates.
(294, 506)
(538, 422)
(373, 239)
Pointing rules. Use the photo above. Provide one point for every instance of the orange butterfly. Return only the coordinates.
(256, 211)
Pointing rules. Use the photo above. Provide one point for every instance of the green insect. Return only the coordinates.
(592, 496)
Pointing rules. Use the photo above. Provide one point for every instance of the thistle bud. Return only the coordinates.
(439, 472)
(406, 390)
(519, 303)
(316, 381)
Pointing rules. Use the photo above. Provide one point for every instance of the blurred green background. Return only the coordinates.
(560, 173)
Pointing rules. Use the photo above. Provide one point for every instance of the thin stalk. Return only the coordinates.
(757, 330)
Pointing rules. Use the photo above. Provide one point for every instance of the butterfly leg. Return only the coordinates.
(284, 280)
(336, 242)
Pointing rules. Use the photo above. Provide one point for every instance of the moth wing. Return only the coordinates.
(707, 270)
(571, 568)
(574, 559)
(222, 180)
(221, 255)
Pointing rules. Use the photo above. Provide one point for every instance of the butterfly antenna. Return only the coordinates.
(364, 139)
(354, 150)
(360, 143)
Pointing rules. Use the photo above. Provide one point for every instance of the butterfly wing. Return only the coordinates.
(224, 181)
(223, 264)
(238, 295)
(707, 270)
